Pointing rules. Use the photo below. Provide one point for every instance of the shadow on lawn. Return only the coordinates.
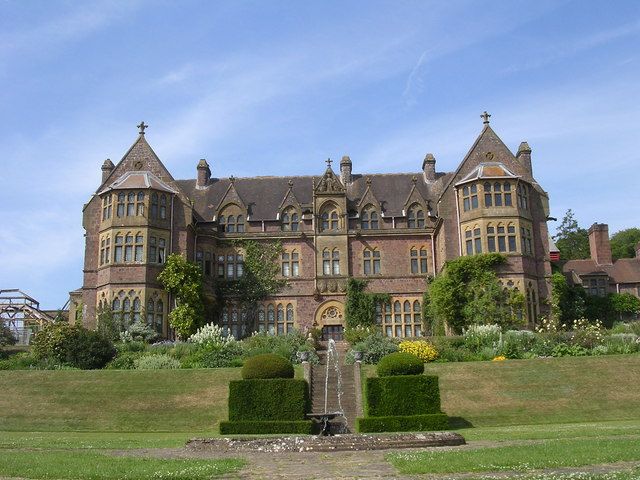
(456, 423)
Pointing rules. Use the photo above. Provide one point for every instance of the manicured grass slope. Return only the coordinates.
(513, 392)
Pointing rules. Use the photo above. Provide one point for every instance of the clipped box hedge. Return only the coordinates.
(408, 423)
(406, 395)
(268, 400)
(304, 427)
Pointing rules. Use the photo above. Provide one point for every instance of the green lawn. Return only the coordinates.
(96, 466)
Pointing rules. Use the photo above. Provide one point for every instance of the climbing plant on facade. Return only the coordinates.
(360, 306)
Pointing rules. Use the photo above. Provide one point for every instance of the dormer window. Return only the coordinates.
(290, 220)
(231, 220)
(415, 216)
(330, 218)
(369, 218)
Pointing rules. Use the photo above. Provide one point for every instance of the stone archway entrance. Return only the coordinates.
(330, 319)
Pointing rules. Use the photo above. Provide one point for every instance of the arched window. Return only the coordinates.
(331, 262)
(131, 204)
(271, 319)
(151, 311)
(118, 246)
(511, 237)
(369, 218)
(136, 309)
(115, 306)
(128, 247)
(473, 240)
(525, 238)
(417, 318)
(523, 196)
(140, 204)
(105, 249)
(120, 206)
(231, 219)
(280, 318)
(469, 197)
(154, 205)
(106, 206)
(415, 216)
(240, 224)
(330, 218)
(290, 220)
(126, 312)
(159, 316)
(371, 261)
(163, 206)
(262, 320)
(231, 224)
(419, 260)
(289, 318)
(139, 248)
(397, 319)
(491, 238)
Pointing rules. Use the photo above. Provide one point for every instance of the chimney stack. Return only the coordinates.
(429, 168)
(345, 170)
(204, 174)
(107, 168)
(599, 244)
(524, 156)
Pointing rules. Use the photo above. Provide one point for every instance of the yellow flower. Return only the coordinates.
(499, 358)
(421, 349)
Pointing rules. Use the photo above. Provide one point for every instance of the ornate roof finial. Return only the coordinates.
(290, 182)
(329, 161)
(142, 126)
(414, 179)
(232, 179)
(485, 117)
(368, 181)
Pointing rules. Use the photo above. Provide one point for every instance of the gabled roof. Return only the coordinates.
(138, 181)
(623, 270)
(488, 170)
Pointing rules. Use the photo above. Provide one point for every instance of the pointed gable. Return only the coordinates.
(231, 196)
(329, 184)
(414, 196)
(368, 197)
(140, 157)
(290, 198)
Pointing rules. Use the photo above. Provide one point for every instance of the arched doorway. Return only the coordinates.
(330, 319)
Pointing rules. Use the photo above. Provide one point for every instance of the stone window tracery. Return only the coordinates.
(469, 197)
(371, 261)
(523, 196)
(473, 240)
(107, 202)
(331, 262)
(330, 218)
(419, 260)
(497, 194)
(290, 220)
(276, 318)
(290, 264)
(415, 216)
(400, 318)
(231, 220)
(369, 218)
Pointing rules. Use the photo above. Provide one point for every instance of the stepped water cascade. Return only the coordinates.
(333, 361)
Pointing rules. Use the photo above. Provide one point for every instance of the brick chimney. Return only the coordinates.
(345, 170)
(524, 157)
(599, 244)
(429, 168)
(204, 174)
(107, 168)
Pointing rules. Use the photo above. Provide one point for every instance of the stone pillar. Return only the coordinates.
(345, 170)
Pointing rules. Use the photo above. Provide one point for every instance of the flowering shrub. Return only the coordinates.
(477, 337)
(549, 325)
(586, 334)
(517, 343)
(211, 335)
(358, 333)
(421, 349)
(499, 358)
(373, 348)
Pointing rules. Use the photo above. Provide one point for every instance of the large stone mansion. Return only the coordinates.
(392, 229)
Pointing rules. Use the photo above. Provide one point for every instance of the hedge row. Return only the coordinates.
(268, 399)
(264, 427)
(408, 423)
(407, 394)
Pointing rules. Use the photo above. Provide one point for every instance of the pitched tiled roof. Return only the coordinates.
(138, 180)
(488, 170)
(624, 270)
(264, 195)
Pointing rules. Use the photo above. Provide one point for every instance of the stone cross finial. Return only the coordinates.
(414, 179)
(232, 179)
(142, 126)
(485, 117)
(329, 161)
(368, 181)
(290, 183)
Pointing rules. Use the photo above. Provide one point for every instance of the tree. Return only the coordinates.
(468, 292)
(6, 337)
(567, 302)
(360, 306)
(183, 280)
(571, 240)
(623, 243)
(625, 305)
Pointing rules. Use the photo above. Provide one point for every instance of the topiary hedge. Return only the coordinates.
(408, 423)
(400, 363)
(268, 399)
(267, 365)
(402, 395)
(304, 427)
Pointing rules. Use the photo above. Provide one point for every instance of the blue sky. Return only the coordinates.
(275, 87)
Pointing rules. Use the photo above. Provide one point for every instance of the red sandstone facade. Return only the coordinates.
(394, 230)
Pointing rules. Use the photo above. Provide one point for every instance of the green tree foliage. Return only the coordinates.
(6, 337)
(623, 243)
(109, 325)
(468, 292)
(360, 306)
(625, 304)
(571, 239)
(183, 280)
(567, 302)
